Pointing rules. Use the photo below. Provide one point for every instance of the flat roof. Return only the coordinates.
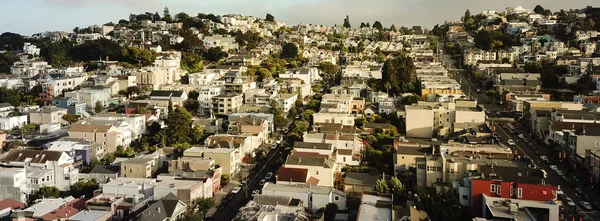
(370, 211)
(177, 184)
(301, 188)
(88, 215)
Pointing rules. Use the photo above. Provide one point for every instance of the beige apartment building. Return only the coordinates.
(229, 159)
(191, 164)
(149, 79)
(47, 115)
(106, 135)
(138, 168)
(227, 103)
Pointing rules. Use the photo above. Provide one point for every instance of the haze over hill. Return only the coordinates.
(31, 16)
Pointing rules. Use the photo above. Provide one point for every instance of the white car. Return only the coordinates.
(236, 190)
(559, 172)
(559, 192)
(570, 201)
(544, 158)
(510, 142)
(254, 192)
(553, 167)
(262, 182)
(586, 205)
(273, 146)
(521, 136)
(269, 175)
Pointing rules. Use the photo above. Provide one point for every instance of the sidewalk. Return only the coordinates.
(219, 196)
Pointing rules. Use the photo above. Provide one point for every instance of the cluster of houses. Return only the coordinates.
(448, 142)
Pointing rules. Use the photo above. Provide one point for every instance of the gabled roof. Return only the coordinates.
(36, 156)
(160, 93)
(161, 210)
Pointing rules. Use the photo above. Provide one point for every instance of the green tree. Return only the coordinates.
(378, 25)
(400, 73)
(279, 119)
(396, 186)
(141, 110)
(193, 95)
(269, 17)
(11, 41)
(300, 127)
(71, 118)
(191, 62)
(347, 22)
(225, 179)
(10, 96)
(7, 59)
(98, 107)
(179, 123)
(84, 188)
(289, 51)
(330, 211)
(166, 15)
(263, 73)
(308, 114)
(191, 106)
(539, 9)
(139, 56)
(215, 54)
(328, 68)
(205, 204)
(170, 106)
(393, 28)
(381, 186)
(44, 192)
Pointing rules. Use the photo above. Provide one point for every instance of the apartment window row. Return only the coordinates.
(434, 169)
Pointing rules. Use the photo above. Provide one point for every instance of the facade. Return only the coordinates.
(71, 104)
(320, 168)
(107, 136)
(138, 168)
(137, 122)
(314, 197)
(13, 184)
(47, 115)
(229, 159)
(286, 102)
(45, 168)
(225, 104)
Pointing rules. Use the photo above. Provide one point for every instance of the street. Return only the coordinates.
(575, 212)
(242, 198)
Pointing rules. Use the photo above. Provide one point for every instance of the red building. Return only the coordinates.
(508, 183)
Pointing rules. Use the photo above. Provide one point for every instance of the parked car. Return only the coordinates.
(262, 182)
(285, 130)
(525, 140)
(244, 182)
(269, 175)
(254, 192)
(559, 192)
(559, 172)
(273, 146)
(521, 136)
(570, 201)
(579, 191)
(298, 117)
(236, 190)
(585, 205)
(279, 139)
(544, 158)
(510, 142)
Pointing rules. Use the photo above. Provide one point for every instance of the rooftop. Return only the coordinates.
(307, 145)
(36, 156)
(87, 215)
(301, 188)
(309, 161)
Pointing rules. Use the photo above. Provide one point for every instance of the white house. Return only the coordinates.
(314, 197)
(44, 168)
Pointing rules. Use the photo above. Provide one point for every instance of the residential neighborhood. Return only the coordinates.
(160, 116)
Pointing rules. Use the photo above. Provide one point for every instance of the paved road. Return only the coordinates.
(525, 150)
(245, 194)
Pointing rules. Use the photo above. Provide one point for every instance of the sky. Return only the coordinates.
(31, 16)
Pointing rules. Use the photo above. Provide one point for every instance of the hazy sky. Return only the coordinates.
(31, 16)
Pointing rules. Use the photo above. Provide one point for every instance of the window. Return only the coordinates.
(105, 135)
(452, 170)
(336, 198)
(344, 159)
(493, 188)
(403, 157)
(498, 188)
(428, 168)
(317, 172)
(130, 170)
(438, 169)
(519, 192)
(512, 191)
(420, 166)
(465, 197)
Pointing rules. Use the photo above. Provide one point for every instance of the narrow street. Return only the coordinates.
(245, 194)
